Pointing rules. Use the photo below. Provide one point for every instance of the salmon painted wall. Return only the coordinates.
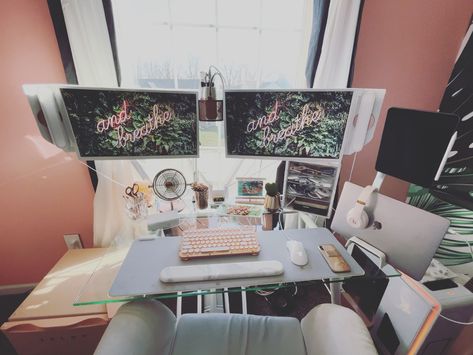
(408, 48)
(45, 193)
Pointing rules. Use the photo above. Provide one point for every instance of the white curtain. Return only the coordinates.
(333, 68)
(337, 47)
(93, 60)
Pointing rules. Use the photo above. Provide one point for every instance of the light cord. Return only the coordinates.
(455, 321)
(103, 175)
(352, 166)
(464, 239)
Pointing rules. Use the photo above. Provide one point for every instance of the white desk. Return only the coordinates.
(139, 273)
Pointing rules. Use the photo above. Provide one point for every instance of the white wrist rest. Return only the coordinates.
(221, 271)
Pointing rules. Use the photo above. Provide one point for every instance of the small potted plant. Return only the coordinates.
(272, 201)
(201, 195)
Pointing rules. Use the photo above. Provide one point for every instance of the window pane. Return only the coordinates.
(196, 51)
(166, 43)
(282, 13)
(238, 57)
(210, 134)
(144, 12)
(238, 13)
(193, 11)
(280, 59)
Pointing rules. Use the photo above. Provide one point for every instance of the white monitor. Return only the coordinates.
(117, 123)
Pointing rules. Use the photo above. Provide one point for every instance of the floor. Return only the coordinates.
(8, 304)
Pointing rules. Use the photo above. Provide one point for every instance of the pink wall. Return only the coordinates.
(45, 193)
(409, 48)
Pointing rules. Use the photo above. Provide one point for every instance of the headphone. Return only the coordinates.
(357, 216)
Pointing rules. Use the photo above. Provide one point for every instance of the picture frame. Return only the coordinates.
(248, 187)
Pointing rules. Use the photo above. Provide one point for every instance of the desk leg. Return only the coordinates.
(199, 302)
(226, 300)
(179, 305)
(244, 307)
(335, 292)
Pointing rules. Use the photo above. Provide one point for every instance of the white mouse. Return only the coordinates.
(297, 253)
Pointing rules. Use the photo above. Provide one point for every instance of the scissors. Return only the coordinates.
(132, 191)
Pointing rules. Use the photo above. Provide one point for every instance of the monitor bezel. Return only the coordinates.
(351, 114)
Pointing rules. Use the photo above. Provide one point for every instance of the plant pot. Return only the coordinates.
(272, 203)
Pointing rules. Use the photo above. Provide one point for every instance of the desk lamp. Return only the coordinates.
(210, 109)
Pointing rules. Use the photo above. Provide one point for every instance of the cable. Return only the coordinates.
(105, 176)
(455, 321)
(352, 166)
(280, 223)
(464, 239)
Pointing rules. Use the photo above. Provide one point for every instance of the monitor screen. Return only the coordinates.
(286, 124)
(414, 143)
(117, 123)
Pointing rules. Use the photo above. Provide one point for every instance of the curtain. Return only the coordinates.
(329, 59)
(319, 21)
(93, 60)
(333, 67)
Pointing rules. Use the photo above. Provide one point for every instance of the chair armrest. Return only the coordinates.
(332, 329)
(139, 328)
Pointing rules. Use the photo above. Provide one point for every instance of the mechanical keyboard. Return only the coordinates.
(221, 271)
(200, 243)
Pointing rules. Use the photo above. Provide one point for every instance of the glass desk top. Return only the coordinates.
(96, 289)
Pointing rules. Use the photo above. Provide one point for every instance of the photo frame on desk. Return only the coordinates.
(310, 187)
(248, 187)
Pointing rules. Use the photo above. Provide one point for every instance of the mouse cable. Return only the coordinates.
(465, 239)
(281, 228)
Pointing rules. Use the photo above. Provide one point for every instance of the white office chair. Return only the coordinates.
(148, 327)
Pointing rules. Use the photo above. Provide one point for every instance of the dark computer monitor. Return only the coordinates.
(413, 144)
(286, 124)
(131, 123)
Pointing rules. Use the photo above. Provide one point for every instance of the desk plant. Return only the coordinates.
(201, 195)
(272, 200)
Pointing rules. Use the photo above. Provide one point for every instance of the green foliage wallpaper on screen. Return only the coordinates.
(286, 124)
(112, 123)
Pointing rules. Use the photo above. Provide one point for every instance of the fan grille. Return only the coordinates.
(169, 184)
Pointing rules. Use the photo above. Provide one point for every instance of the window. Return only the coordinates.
(254, 43)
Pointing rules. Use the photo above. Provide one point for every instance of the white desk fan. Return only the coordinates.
(169, 185)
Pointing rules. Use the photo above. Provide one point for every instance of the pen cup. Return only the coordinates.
(202, 199)
(136, 206)
(267, 221)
